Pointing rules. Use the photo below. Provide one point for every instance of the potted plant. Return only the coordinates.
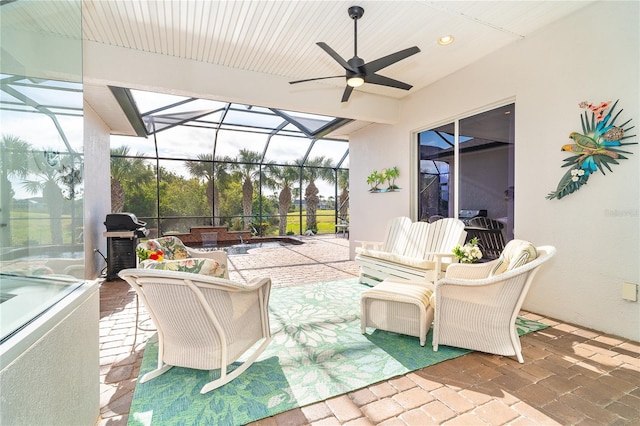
(468, 253)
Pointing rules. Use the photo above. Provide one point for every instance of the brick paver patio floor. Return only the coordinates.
(571, 375)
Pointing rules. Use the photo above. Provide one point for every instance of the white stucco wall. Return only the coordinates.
(592, 55)
(50, 370)
(97, 192)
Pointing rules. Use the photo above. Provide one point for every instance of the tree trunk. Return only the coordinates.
(53, 197)
(283, 209)
(5, 212)
(247, 200)
(343, 204)
(213, 198)
(312, 199)
(216, 205)
(117, 196)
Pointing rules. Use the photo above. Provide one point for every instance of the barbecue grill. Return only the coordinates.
(124, 231)
(466, 215)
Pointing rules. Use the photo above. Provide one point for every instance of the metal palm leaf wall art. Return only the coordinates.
(598, 147)
(375, 179)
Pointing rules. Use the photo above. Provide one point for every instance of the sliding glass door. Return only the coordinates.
(466, 169)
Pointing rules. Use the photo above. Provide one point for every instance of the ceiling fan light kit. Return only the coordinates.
(355, 81)
(357, 72)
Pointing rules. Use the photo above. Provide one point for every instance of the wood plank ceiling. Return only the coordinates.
(278, 37)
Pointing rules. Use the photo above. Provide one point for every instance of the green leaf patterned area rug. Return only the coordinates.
(317, 352)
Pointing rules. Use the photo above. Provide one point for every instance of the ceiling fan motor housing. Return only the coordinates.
(356, 12)
(355, 64)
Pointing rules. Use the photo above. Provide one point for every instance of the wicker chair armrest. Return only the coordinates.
(371, 245)
(199, 279)
(469, 271)
(440, 257)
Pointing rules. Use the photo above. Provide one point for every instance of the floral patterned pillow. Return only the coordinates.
(194, 265)
(171, 247)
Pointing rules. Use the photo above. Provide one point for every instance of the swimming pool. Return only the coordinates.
(245, 247)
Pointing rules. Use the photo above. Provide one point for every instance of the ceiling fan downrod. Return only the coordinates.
(355, 13)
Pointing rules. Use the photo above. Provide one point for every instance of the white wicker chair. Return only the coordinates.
(203, 322)
(475, 310)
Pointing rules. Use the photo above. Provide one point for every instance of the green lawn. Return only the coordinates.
(325, 219)
(35, 227)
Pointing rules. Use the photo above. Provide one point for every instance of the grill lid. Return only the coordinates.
(123, 222)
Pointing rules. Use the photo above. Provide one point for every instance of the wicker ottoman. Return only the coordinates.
(398, 306)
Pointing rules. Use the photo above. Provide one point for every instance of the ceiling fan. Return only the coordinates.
(357, 71)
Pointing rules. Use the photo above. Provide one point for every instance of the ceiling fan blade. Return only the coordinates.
(386, 81)
(347, 93)
(335, 56)
(317, 78)
(385, 61)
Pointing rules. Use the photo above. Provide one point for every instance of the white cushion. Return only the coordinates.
(402, 260)
(516, 253)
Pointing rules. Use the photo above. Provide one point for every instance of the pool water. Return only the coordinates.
(245, 247)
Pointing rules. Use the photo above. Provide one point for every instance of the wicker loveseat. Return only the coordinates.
(411, 250)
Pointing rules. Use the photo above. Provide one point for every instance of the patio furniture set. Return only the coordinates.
(206, 321)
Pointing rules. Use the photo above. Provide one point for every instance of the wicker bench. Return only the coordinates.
(398, 306)
(410, 251)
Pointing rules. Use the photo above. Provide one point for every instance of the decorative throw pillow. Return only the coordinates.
(192, 265)
(171, 247)
(150, 244)
(516, 253)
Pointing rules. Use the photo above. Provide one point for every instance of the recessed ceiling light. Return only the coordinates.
(444, 40)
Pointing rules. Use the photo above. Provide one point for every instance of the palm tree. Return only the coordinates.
(124, 171)
(120, 167)
(316, 168)
(49, 172)
(343, 198)
(14, 162)
(247, 167)
(215, 174)
(284, 177)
